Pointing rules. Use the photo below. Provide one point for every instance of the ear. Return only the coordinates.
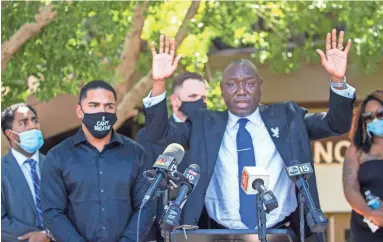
(10, 135)
(175, 101)
(79, 112)
(261, 85)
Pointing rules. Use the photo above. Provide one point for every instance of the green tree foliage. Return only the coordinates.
(85, 39)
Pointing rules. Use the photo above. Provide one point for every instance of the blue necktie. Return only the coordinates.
(36, 186)
(245, 150)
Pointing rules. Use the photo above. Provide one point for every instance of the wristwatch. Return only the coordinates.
(49, 235)
(339, 85)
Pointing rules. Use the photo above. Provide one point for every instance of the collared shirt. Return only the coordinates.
(93, 196)
(176, 119)
(26, 168)
(222, 197)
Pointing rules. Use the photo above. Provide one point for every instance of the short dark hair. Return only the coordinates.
(361, 139)
(95, 85)
(8, 115)
(181, 78)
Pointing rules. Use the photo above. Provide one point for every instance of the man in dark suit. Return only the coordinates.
(248, 134)
(21, 215)
(189, 90)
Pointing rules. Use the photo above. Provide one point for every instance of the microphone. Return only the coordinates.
(167, 162)
(255, 181)
(299, 173)
(171, 217)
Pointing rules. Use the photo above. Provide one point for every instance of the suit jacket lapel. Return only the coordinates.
(276, 123)
(41, 162)
(15, 173)
(215, 126)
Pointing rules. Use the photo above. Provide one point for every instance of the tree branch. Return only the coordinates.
(27, 31)
(131, 99)
(131, 50)
(183, 30)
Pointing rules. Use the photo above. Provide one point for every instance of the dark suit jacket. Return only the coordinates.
(204, 131)
(18, 209)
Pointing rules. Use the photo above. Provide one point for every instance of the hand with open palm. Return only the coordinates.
(164, 63)
(335, 59)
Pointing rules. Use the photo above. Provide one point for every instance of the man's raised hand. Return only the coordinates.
(164, 64)
(334, 61)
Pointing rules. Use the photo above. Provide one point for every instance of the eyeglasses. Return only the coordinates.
(369, 117)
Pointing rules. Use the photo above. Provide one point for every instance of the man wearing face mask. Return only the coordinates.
(189, 93)
(92, 184)
(21, 214)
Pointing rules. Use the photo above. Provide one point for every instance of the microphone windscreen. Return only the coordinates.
(195, 167)
(175, 150)
(294, 162)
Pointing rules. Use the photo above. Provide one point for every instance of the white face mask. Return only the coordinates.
(31, 140)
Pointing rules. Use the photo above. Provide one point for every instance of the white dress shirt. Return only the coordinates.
(26, 168)
(222, 196)
(176, 119)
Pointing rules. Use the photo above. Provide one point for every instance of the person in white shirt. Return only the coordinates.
(21, 214)
(248, 134)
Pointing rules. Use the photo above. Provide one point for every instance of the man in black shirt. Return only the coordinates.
(92, 183)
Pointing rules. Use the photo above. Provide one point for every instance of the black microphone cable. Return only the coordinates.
(139, 218)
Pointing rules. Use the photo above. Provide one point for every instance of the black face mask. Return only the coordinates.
(188, 108)
(99, 124)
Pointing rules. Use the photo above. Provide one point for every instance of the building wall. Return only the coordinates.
(328, 156)
(339, 225)
(332, 200)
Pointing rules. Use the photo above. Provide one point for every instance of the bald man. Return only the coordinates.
(248, 134)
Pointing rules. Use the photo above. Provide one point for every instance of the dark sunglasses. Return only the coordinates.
(369, 117)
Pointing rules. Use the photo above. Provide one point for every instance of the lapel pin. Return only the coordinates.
(275, 132)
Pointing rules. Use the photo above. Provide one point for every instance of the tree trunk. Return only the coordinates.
(131, 99)
(131, 51)
(27, 31)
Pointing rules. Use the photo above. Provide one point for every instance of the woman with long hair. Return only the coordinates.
(363, 168)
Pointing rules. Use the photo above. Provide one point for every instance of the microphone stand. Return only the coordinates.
(261, 217)
(301, 201)
(167, 236)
